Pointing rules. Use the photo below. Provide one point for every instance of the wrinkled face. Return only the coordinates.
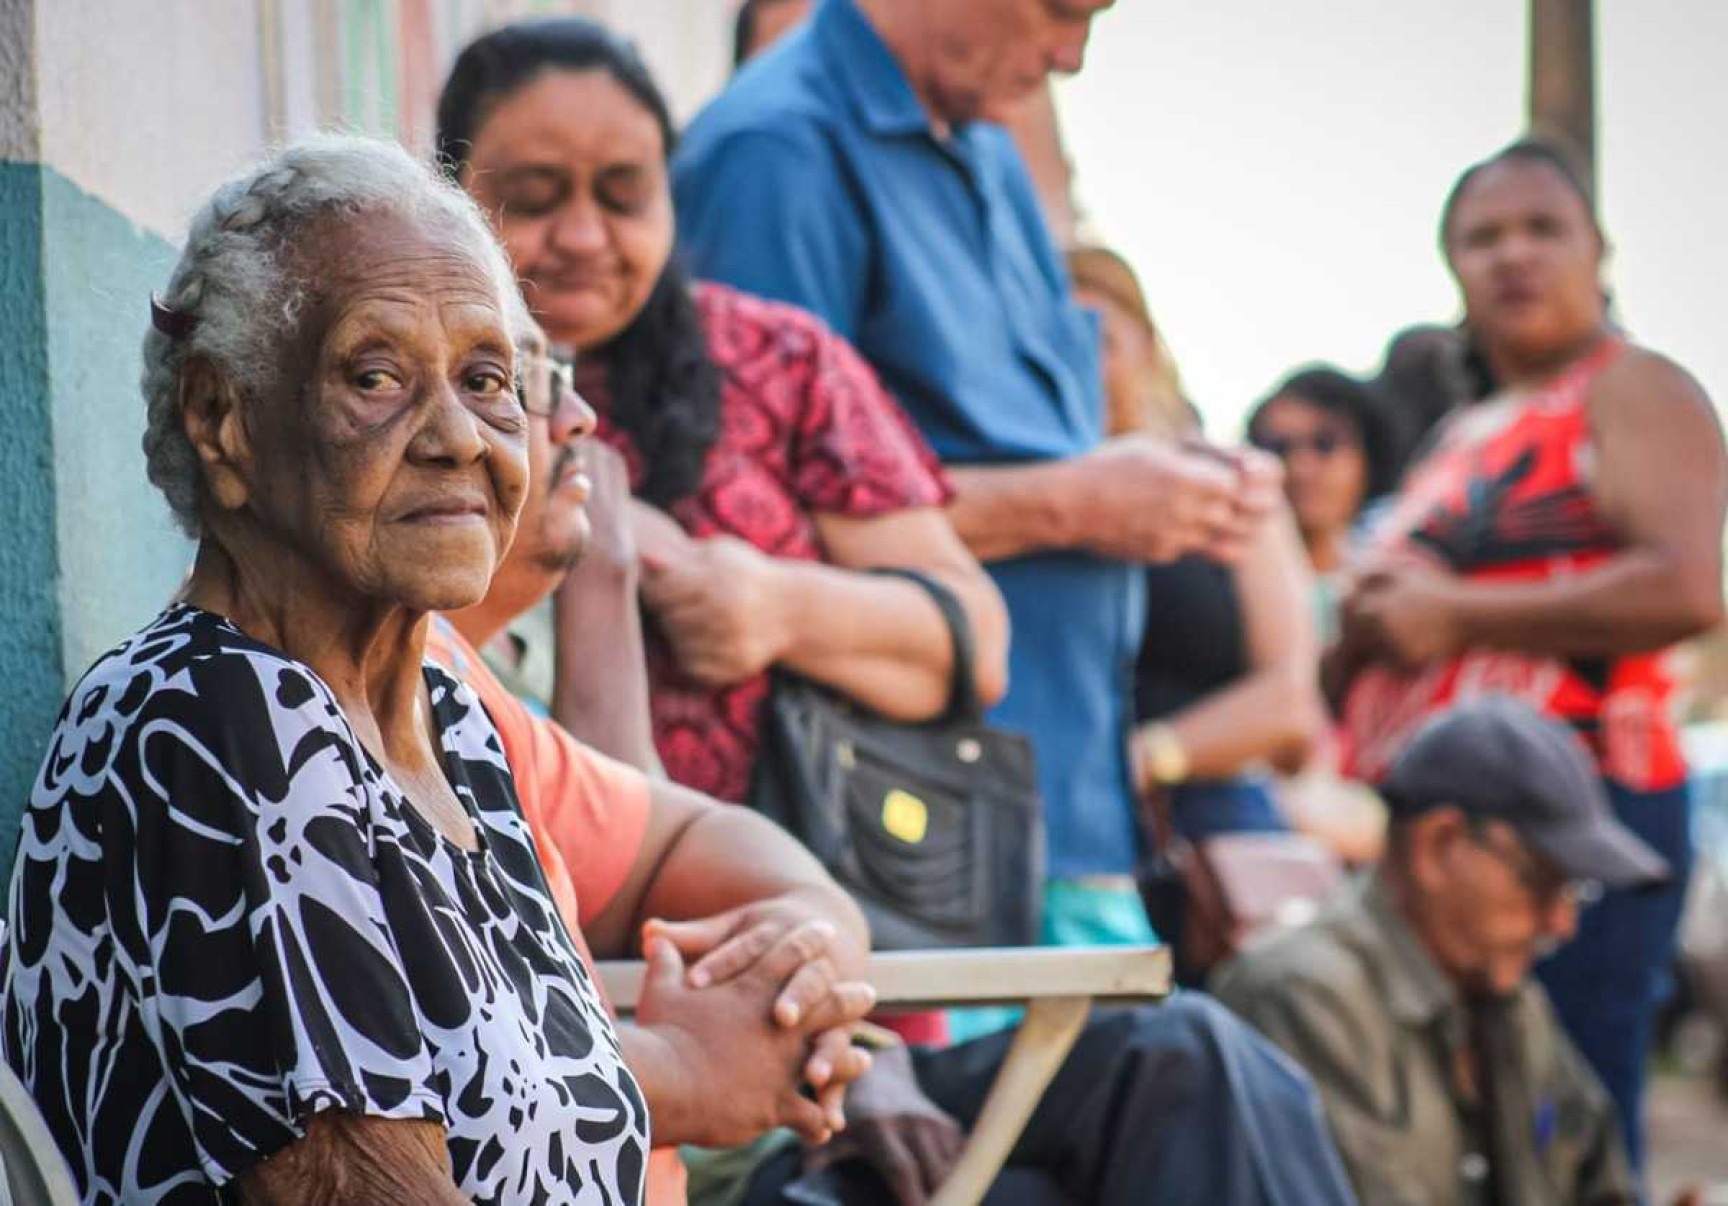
(1499, 905)
(552, 530)
(1527, 258)
(1325, 466)
(573, 171)
(988, 54)
(396, 458)
(1130, 359)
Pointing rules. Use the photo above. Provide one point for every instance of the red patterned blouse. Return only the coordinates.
(1511, 501)
(805, 429)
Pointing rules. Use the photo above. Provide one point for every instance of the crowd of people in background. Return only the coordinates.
(520, 478)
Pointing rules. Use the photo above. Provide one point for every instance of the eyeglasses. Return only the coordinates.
(1321, 444)
(560, 382)
(1546, 885)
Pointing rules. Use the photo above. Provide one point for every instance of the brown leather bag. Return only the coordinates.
(1209, 898)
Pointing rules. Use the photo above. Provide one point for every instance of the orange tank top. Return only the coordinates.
(1509, 499)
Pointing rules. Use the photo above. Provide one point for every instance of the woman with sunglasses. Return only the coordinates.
(1559, 537)
(1336, 448)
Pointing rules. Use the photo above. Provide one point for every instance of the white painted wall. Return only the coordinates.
(147, 104)
(688, 43)
(18, 122)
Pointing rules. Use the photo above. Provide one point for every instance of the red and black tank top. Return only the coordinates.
(1505, 496)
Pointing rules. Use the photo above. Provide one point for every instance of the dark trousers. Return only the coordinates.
(1179, 1104)
(1609, 983)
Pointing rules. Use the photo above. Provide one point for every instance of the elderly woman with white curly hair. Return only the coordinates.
(277, 931)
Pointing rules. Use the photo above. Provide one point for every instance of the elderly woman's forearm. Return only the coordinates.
(354, 1160)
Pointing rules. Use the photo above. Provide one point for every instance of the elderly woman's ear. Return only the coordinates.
(212, 417)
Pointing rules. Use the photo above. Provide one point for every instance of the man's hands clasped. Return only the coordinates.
(1141, 498)
(754, 999)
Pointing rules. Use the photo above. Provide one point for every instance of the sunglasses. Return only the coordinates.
(1321, 444)
(560, 381)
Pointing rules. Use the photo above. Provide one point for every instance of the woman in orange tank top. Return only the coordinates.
(1557, 540)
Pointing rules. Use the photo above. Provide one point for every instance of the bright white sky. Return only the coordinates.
(1275, 168)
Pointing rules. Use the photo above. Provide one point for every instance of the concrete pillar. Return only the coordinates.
(1562, 79)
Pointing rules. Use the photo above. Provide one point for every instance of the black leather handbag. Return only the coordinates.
(937, 829)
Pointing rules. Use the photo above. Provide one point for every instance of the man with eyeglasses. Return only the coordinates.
(1445, 1075)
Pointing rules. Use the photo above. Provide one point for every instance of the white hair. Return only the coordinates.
(237, 290)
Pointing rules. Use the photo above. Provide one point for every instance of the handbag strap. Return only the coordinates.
(963, 685)
(1157, 820)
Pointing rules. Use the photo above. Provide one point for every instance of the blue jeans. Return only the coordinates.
(1206, 808)
(1609, 983)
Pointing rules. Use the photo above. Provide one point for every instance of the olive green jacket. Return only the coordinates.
(1355, 998)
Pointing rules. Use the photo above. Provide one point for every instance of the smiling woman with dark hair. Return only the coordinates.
(278, 931)
(777, 466)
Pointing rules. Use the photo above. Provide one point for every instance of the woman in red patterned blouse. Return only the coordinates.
(784, 466)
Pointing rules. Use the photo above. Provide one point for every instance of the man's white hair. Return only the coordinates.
(235, 289)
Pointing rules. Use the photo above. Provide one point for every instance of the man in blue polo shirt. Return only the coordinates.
(853, 170)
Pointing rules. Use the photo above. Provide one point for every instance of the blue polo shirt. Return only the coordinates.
(816, 178)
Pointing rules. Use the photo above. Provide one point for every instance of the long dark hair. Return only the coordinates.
(1479, 379)
(665, 386)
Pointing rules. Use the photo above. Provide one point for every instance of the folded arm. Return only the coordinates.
(881, 640)
(730, 611)
(1661, 484)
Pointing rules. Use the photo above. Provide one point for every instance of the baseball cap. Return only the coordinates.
(1494, 757)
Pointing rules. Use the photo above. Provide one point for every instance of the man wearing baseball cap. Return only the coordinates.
(1445, 1075)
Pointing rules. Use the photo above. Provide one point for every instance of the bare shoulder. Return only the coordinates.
(1640, 382)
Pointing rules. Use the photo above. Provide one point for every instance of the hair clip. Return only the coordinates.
(176, 324)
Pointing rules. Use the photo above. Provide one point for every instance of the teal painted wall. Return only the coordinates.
(120, 555)
(31, 681)
(87, 552)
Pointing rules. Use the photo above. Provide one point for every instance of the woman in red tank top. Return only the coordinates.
(1560, 536)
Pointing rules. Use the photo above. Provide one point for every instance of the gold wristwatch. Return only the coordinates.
(1162, 755)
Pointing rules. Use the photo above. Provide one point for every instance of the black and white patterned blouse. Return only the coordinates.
(225, 917)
